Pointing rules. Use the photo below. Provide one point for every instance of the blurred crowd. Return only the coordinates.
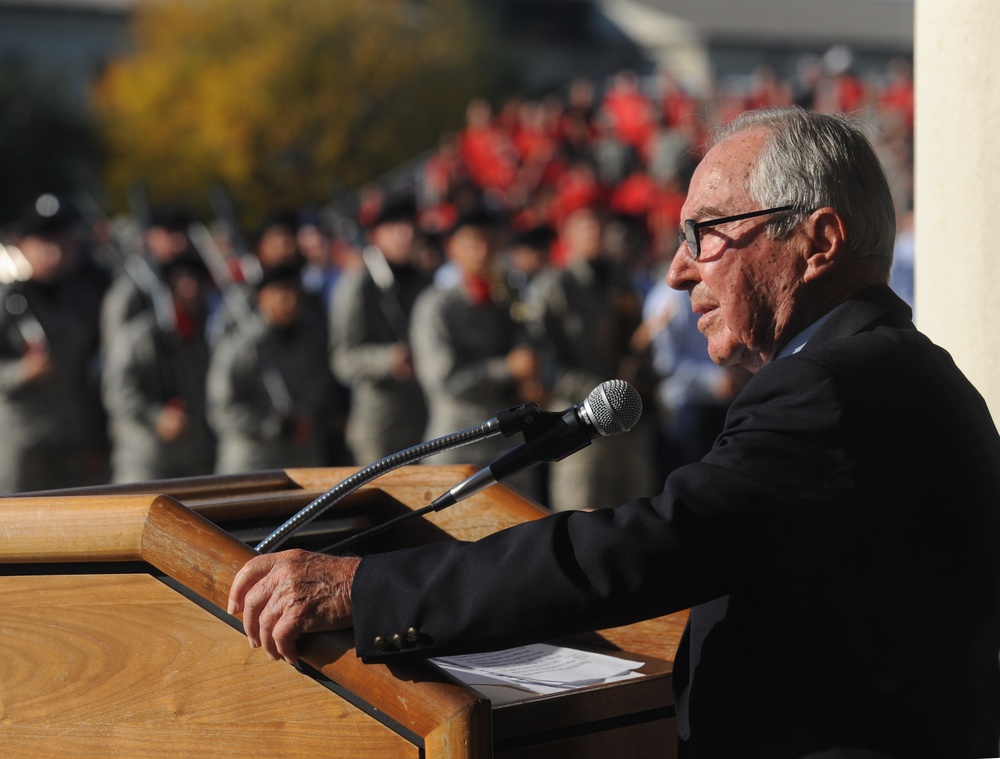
(523, 261)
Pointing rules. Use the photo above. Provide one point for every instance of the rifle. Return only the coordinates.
(242, 313)
(129, 253)
(240, 252)
(14, 268)
(141, 270)
(345, 213)
(385, 282)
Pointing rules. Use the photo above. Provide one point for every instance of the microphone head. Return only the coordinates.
(613, 407)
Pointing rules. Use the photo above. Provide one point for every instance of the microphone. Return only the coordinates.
(611, 408)
(506, 423)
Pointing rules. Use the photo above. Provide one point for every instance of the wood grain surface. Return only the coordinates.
(93, 664)
(121, 665)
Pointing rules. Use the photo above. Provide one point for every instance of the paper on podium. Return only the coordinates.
(539, 668)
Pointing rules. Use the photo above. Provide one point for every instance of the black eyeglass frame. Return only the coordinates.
(690, 234)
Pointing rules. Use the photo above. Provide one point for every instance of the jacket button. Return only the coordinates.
(381, 643)
(413, 634)
(397, 640)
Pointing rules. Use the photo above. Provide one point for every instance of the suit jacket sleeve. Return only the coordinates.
(764, 493)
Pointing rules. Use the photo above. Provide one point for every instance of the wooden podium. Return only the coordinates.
(114, 641)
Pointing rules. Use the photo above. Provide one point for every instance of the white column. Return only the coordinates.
(957, 192)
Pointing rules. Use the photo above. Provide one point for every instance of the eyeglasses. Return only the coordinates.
(690, 233)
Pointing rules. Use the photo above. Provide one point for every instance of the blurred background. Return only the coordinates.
(296, 97)
(172, 172)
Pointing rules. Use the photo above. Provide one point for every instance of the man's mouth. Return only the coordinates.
(703, 308)
(706, 313)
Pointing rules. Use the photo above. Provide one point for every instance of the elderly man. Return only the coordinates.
(840, 544)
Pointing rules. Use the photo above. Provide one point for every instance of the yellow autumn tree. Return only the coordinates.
(279, 99)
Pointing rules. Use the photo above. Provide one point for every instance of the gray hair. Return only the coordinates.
(814, 160)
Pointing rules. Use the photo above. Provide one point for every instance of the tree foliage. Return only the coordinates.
(277, 99)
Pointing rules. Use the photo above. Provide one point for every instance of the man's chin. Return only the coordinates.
(721, 358)
(733, 355)
(721, 350)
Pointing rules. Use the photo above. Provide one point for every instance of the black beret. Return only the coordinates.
(537, 238)
(400, 206)
(287, 219)
(477, 216)
(290, 271)
(173, 217)
(189, 263)
(48, 215)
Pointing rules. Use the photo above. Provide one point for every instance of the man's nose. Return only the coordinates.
(683, 272)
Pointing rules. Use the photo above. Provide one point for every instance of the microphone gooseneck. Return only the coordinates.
(506, 423)
(611, 408)
(369, 473)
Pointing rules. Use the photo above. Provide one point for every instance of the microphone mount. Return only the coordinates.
(611, 408)
(507, 423)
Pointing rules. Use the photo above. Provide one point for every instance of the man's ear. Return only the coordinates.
(827, 235)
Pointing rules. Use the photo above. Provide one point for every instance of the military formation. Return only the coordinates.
(139, 351)
(523, 261)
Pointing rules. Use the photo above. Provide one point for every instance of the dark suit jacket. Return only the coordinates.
(839, 547)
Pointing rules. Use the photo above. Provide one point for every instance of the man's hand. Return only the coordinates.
(402, 363)
(171, 422)
(522, 363)
(283, 595)
(36, 364)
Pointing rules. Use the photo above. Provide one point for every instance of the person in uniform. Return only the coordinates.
(472, 357)
(370, 342)
(590, 319)
(268, 382)
(138, 286)
(48, 360)
(154, 385)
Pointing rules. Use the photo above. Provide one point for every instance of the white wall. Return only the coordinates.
(957, 193)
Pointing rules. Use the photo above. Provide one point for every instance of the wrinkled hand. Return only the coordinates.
(283, 595)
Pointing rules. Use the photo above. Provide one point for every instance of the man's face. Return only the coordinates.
(315, 245)
(744, 285)
(50, 254)
(472, 249)
(279, 303)
(581, 232)
(276, 246)
(188, 289)
(166, 244)
(395, 239)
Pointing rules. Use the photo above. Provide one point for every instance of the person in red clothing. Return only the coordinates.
(767, 90)
(487, 151)
(676, 104)
(577, 189)
(897, 96)
(632, 113)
